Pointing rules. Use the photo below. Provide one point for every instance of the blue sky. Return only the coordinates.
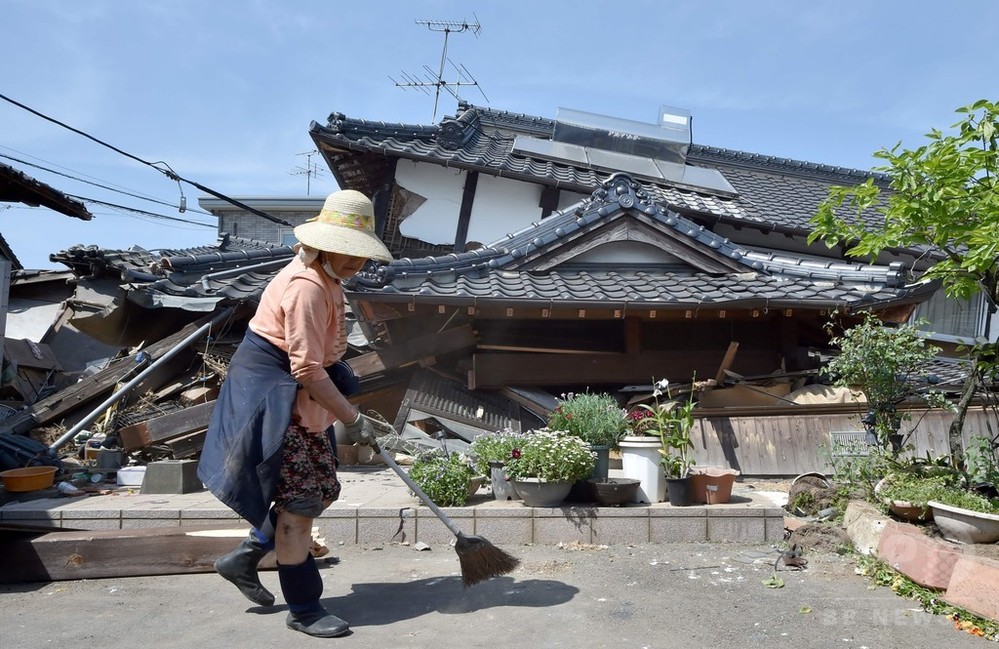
(224, 91)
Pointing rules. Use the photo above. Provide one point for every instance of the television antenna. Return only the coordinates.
(309, 170)
(428, 78)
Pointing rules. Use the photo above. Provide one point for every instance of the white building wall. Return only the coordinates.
(501, 206)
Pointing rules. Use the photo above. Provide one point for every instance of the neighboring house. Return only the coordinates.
(238, 222)
(18, 187)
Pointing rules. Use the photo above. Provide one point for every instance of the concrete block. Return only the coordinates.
(338, 530)
(379, 525)
(614, 530)
(678, 529)
(430, 529)
(171, 477)
(774, 529)
(738, 529)
(549, 530)
(926, 561)
(864, 524)
(503, 531)
(974, 585)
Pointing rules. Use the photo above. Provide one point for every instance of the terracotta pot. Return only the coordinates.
(909, 512)
(711, 484)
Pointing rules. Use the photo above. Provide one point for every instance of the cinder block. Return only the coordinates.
(864, 524)
(678, 529)
(741, 529)
(171, 477)
(506, 530)
(614, 530)
(974, 585)
(926, 561)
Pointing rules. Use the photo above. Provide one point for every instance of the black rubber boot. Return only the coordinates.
(240, 568)
(302, 586)
(317, 623)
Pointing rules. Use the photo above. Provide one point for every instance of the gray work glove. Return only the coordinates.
(364, 429)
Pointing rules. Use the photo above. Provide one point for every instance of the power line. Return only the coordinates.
(96, 184)
(168, 172)
(143, 212)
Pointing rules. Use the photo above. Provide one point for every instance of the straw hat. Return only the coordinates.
(345, 225)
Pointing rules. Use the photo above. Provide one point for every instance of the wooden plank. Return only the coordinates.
(726, 363)
(165, 427)
(495, 370)
(118, 553)
(366, 364)
(79, 394)
(188, 445)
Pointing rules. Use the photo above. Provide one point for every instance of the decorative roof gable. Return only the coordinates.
(535, 263)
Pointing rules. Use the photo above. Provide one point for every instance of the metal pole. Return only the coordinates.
(179, 347)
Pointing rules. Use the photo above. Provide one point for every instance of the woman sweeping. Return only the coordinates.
(267, 454)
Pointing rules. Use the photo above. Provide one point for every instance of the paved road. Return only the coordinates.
(648, 596)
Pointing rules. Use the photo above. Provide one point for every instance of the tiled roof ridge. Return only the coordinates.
(697, 151)
(621, 192)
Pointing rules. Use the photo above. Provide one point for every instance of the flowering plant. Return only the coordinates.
(552, 456)
(493, 447)
(594, 418)
(443, 477)
(672, 422)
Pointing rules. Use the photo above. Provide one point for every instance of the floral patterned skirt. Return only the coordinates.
(308, 482)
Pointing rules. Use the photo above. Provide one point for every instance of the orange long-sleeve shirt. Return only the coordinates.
(302, 312)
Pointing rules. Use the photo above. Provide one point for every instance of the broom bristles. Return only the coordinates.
(481, 560)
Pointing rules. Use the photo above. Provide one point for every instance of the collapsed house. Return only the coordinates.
(534, 256)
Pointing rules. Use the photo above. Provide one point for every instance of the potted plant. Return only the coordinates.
(444, 477)
(964, 516)
(547, 463)
(489, 453)
(672, 421)
(923, 491)
(596, 418)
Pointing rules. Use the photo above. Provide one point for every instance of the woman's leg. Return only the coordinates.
(307, 486)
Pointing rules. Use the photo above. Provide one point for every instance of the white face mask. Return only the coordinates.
(329, 269)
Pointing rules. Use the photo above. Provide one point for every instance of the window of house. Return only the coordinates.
(288, 239)
(950, 317)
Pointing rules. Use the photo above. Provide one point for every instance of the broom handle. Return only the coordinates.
(416, 489)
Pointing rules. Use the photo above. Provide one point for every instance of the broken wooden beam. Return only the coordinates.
(56, 556)
(166, 427)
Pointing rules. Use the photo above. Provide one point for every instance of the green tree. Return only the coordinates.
(942, 202)
(879, 360)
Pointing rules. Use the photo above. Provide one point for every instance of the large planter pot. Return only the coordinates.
(609, 492)
(679, 491)
(640, 461)
(711, 484)
(503, 489)
(964, 525)
(909, 512)
(539, 493)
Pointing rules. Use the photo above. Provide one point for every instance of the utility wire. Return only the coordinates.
(96, 184)
(168, 172)
(138, 211)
